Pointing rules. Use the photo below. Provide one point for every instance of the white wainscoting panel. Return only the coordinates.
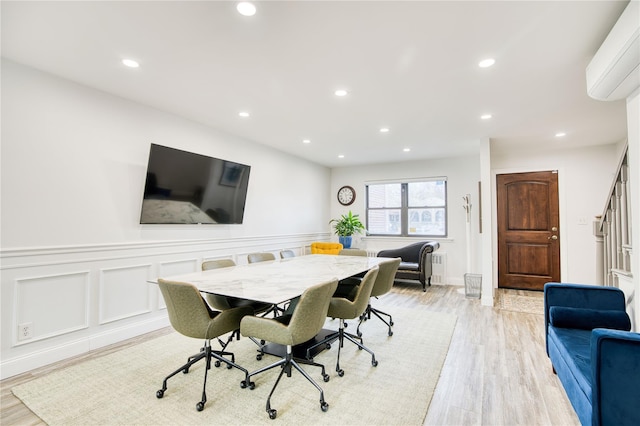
(79, 298)
(124, 292)
(51, 304)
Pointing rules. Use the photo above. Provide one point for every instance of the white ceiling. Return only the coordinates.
(410, 66)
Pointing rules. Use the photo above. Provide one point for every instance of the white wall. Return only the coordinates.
(463, 175)
(74, 259)
(584, 179)
(74, 162)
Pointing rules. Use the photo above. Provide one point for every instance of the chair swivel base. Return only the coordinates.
(367, 316)
(340, 335)
(207, 353)
(285, 364)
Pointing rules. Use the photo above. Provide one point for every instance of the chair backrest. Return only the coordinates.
(216, 301)
(311, 312)
(385, 278)
(340, 307)
(285, 254)
(321, 247)
(352, 252)
(362, 296)
(260, 257)
(188, 312)
(217, 264)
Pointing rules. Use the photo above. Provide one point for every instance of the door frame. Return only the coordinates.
(494, 215)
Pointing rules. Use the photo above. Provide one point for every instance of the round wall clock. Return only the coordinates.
(346, 195)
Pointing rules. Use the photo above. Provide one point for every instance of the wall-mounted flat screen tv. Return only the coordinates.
(187, 188)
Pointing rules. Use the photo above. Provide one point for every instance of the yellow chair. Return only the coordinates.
(325, 248)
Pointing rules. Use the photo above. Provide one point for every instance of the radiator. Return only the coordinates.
(439, 267)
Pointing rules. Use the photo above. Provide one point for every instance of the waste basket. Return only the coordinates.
(472, 285)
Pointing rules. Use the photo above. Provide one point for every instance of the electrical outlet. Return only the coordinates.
(25, 331)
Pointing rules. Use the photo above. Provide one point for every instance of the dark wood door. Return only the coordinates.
(528, 230)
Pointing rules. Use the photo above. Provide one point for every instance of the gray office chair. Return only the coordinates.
(289, 330)
(352, 252)
(346, 308)
(222, 303)
(260, 257)
(383, 285)
(286, 254)
(191, 316)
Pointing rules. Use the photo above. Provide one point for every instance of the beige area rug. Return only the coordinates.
(120, 388)
(510, 301)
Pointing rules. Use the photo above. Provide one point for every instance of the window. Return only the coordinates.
(408, 208)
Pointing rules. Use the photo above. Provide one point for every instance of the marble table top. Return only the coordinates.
(279, 280)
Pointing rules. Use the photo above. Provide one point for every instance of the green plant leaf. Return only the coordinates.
(347, 225)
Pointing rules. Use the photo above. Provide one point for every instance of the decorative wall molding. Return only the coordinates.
(79, 298)
(37, 298)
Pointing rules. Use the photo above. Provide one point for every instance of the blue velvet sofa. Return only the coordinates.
(595, 356)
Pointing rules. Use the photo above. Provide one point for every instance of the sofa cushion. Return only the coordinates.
(588, 319)
(575, 348)
(408, 266)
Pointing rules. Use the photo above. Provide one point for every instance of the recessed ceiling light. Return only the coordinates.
(485, 63)
(560, 134)
(407, 149)
(340, 92)
(341, 156)
(130, 63)
(306, 141)
(485, 116)
(246, 9)
(243, 114)
(384, 130)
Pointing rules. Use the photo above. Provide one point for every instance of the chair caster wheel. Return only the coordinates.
(200, 406)
(160, 393)
(217, 364)
(328, 346)
(229, 366)
(251, 385)
(324, 406)
(374, 363)
(185, 371)
(391, 323)
(272, 414)
(359, 333)
(390, 333)
(259, 357)
(341, 372)
(326, 378)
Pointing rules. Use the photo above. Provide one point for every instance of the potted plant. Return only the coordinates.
(346, 226)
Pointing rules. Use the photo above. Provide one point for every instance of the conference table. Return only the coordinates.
(278, 281)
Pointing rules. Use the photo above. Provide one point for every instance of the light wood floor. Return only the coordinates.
(496, 372)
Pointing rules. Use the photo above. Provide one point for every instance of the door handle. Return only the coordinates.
(553, 237)
(554, 229)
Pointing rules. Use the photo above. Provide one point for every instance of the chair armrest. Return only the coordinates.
(427, 249)
(615, 369)
(580, 296)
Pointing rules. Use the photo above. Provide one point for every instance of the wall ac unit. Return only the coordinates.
(614, 71)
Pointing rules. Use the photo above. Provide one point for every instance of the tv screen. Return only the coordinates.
(183, 187)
